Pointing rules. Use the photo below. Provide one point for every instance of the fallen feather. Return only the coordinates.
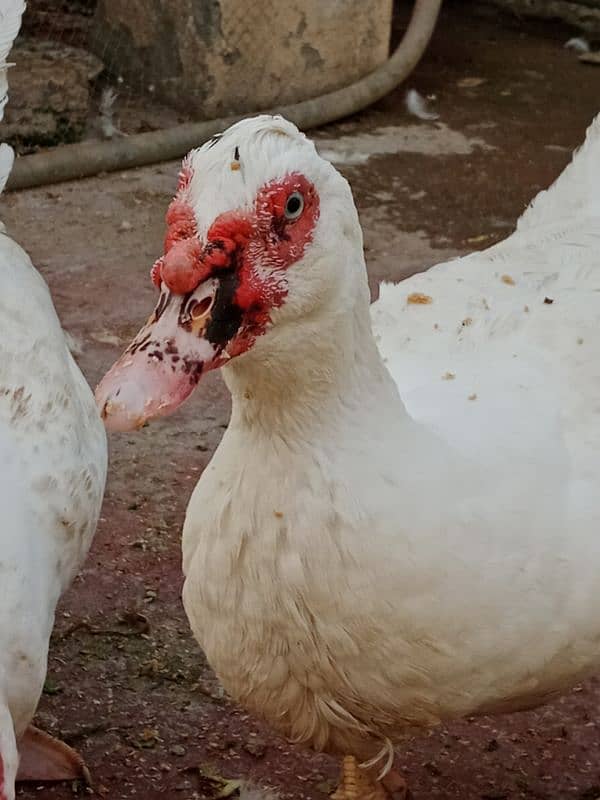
(417, 106)
(470, 83)
(579, 44)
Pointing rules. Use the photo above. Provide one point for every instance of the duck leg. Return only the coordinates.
(358, 784)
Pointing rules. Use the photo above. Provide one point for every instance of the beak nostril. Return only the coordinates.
(201, 308)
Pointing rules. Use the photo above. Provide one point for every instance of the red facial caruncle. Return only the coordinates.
(259, 245)
(218, 293)
(180, 263)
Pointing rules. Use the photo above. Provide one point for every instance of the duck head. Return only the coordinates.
(255, 243)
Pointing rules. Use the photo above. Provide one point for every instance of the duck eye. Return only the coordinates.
(294, 206)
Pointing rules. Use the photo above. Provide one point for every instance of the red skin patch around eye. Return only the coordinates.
(275, 245)
(260, 245)
(279, 244)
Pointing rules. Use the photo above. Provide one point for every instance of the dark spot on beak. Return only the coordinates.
(236, 153)
(193, 368)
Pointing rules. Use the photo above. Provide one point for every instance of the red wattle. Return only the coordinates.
(182, 268)
(181, 222)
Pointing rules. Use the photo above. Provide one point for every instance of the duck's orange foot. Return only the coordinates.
(358, 784)
(44, 758)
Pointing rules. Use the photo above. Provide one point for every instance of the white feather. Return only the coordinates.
(574, 192)
(53, 451)
(578, 44)
(108, 129)
(417, 106)
(375, 548)
(11, 12)
(74, 344)
(7, 157)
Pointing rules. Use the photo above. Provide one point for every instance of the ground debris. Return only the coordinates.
(147, 739)
(140, 624)
(470, 82)
(214, 784)
(256, 746)
(590, 58)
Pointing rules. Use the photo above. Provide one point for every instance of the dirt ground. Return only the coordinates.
(126, 684)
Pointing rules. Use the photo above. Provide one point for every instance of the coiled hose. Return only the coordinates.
(85, 159)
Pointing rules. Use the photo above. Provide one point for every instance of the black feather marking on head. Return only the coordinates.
(236, 153)
(226, 315)
(214, 139)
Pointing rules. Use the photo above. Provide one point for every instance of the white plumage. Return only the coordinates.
(53, 456)
(400, 525)
(11, 12)
(384, 540)
(7, 158)
(416, 105)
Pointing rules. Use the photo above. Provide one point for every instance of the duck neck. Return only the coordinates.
(327, 369)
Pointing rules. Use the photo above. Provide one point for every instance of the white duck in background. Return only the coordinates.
(53, 456)
(400, 525)
(11, 12)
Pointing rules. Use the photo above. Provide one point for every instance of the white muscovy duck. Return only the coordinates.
(400, 525)
(53, 455)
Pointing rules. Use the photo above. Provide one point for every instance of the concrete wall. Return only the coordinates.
(213, 57)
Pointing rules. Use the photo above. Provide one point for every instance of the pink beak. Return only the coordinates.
(163, 364)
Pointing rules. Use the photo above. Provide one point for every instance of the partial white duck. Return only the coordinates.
(400, 525)
(53, 456)
(11, 12)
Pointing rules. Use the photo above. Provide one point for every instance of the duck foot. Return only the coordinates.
(358, 784)
(44, 758)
